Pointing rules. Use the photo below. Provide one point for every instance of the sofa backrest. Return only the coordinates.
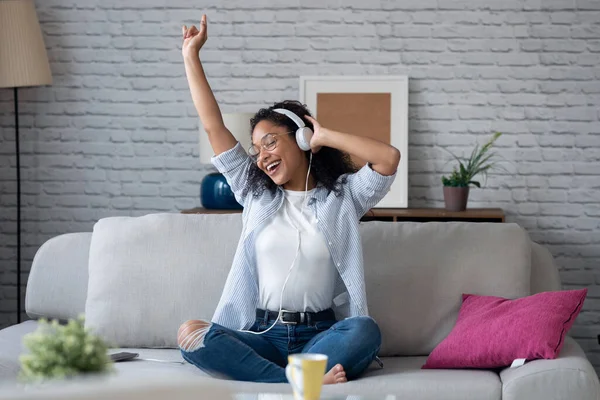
(544, 272)
(415, 274)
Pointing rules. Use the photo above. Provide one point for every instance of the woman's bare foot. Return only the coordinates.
(335, 375)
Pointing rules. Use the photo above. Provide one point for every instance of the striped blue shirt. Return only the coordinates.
(337, 218)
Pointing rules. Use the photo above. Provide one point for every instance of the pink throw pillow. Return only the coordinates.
(491, 332)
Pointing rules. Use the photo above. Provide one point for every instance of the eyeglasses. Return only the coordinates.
(267, 142)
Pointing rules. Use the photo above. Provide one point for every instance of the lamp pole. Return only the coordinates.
(18, 154)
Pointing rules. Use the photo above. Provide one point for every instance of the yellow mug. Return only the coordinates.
(305, 373)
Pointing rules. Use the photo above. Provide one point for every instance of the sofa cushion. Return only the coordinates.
(416, 274)
(403, 377)
(492, 332)
(147, 275)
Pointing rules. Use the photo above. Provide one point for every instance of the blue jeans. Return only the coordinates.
(353, 343)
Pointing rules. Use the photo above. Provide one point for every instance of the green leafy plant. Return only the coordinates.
(63, 351)
(480, 162)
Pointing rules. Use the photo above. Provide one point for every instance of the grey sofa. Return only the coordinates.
(415, 275)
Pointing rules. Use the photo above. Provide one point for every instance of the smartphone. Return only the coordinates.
(123, 356)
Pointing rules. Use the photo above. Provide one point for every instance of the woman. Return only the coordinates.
(300, 226)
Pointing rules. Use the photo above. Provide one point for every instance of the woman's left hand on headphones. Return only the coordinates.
(318, 134)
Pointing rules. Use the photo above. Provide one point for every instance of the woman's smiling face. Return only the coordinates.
(285, 160)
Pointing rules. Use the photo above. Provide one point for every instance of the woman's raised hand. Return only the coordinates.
(194, 39)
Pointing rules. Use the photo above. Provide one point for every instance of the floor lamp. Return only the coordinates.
(23, 62)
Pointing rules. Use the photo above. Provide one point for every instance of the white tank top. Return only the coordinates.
(311, 283)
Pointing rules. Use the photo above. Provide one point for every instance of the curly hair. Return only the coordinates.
(328, 164)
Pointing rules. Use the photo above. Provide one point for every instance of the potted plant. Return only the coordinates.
(63, 351)
(456, 185)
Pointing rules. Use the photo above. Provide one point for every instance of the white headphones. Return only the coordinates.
(303, 134)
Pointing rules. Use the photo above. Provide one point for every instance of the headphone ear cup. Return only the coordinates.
(303, 136)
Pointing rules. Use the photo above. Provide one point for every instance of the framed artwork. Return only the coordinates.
(371, 106)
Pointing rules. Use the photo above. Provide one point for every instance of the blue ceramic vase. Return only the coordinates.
(215, 193)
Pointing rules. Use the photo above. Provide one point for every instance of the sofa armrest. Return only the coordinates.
(570, 376)
(57, 284)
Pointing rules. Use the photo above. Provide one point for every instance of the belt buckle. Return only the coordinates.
(287, 322)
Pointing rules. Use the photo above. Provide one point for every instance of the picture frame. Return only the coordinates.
(372, 106)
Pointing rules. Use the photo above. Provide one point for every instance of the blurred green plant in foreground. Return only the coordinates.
(62, 351)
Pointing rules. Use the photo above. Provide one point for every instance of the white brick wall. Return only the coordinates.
(116, 132)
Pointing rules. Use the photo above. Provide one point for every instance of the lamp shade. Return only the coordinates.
(23, 57)
(237, 123)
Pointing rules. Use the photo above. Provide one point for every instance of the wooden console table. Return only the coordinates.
(405, 214)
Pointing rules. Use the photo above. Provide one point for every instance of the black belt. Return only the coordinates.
(295, 318)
